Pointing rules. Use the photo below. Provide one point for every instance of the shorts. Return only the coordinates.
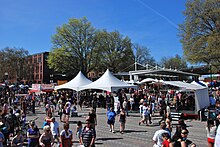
(145, 117)
(210, 140)
(110, 122)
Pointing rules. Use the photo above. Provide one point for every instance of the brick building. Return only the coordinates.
(37, 69)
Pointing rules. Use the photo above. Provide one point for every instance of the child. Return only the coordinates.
(166, 140)
(79, 129)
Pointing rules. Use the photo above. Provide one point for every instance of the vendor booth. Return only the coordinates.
(201, 93)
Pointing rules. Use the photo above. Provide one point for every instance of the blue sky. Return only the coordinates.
(30, 24)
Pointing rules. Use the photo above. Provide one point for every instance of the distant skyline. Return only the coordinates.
(154, 24)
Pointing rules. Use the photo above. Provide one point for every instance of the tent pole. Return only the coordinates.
(77, 99)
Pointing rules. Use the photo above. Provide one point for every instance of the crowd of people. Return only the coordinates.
(17, 103)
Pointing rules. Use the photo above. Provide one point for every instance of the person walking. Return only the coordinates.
(145, 114)
(111, 119)
(33, 135)
(122, 120)
(66, 112)
(92, 118)
(46, 139)
(94, 102)
(88, 136)
(125, 106)
(217, 136)
(132, 102)
(184, 140)
(79, 130)
(18, 139)
(55, 130)
(60, 109)
(2, 138)
(157, 138)
(163, 111)
(66, 136)
(211, 131)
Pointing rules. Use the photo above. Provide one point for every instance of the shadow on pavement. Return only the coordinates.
(131, 131)
(105, 139)
(98, 143)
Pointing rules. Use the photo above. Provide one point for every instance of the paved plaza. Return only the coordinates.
(134, 136)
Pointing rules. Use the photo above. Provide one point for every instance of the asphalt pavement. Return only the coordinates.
(134, 136)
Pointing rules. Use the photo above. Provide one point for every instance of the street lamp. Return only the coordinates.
(6, 77)
(210, 68)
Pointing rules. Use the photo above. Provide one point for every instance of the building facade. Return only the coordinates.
(37, 69)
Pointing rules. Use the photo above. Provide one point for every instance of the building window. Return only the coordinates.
(36, 77)
(39, 60)
(37, 69)
(35, 60)
(40, 77)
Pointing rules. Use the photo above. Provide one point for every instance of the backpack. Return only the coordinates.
(111, 116)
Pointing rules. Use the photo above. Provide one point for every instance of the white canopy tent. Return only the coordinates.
(108, 82)
(201, 83)
(75, 83)
(201, 92)
(148, 80)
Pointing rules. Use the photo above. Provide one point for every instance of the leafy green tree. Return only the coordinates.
(73, 45)
(113, 51)
(142, 55)
(174, 62)
(12, 62)
(200, 32)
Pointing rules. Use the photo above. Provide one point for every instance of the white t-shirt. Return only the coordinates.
(116, 106)
(141, 108)
(211, 133)
(168, 109)
(158, 137)
(63, 133)
(54, 126)
(145, 111)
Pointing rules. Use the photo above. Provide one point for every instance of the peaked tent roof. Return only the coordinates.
(184, 85)
(147, 80)
(198, 83)
(75, 83)
(108, 82)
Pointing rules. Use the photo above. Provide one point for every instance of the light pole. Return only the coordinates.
(6, 77)
(210, 73)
